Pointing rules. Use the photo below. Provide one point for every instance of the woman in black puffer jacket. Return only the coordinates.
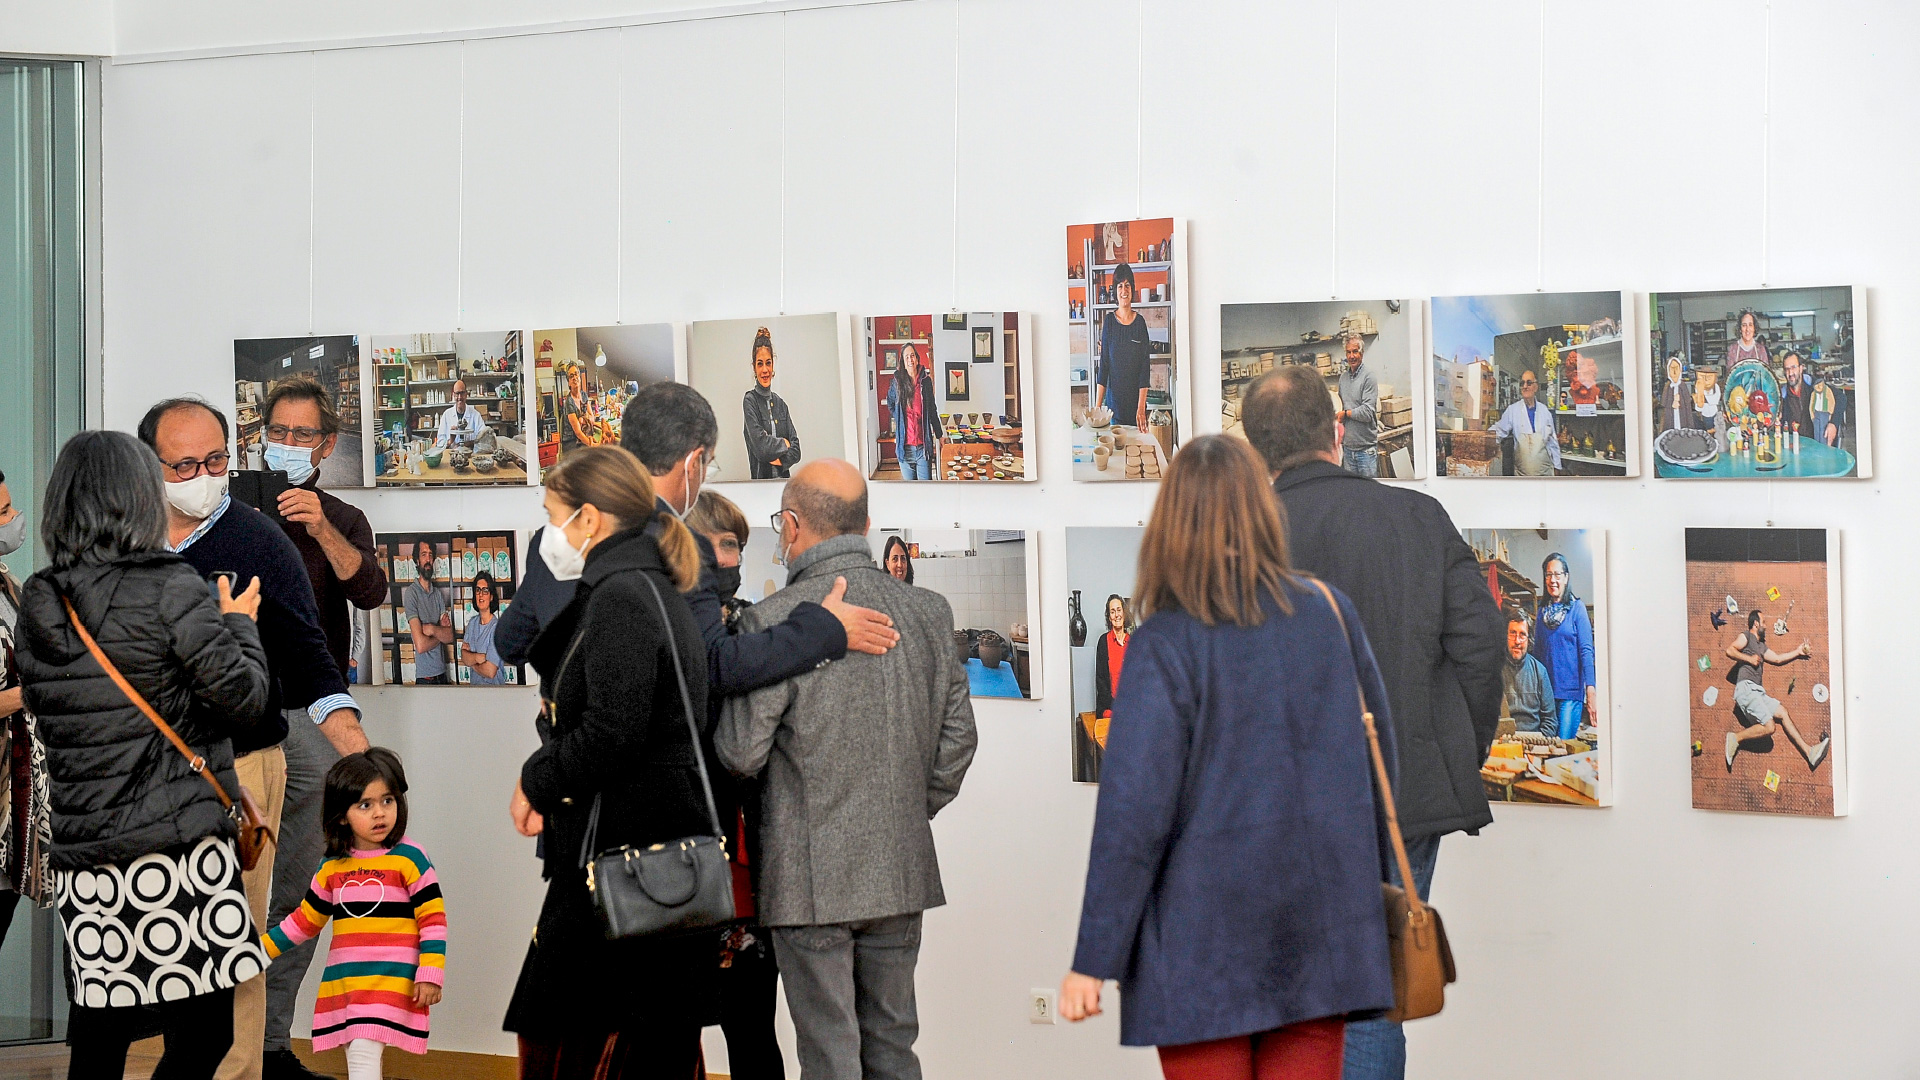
(146, 871)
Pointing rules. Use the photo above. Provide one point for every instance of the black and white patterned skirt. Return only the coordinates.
(163, 927)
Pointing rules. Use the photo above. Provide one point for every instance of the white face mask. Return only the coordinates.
(13, 534)
(296, 462)
(199, 497)
(562, 558)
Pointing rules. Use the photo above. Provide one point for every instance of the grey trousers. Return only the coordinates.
(295, 858)
(850, 990)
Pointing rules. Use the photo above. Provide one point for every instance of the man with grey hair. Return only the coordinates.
(859, 754)
(1359, 410)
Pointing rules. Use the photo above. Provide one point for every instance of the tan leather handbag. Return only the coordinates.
(1416, 939)
(255, 835)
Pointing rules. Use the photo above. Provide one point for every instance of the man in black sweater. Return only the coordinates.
(214, 534)
(1435, 631)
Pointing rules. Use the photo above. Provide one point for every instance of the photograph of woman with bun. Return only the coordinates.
(773, 446)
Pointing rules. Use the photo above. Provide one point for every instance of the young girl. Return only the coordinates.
(389, 952)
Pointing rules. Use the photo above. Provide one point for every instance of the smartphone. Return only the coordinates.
(259, 488)
(213, 583)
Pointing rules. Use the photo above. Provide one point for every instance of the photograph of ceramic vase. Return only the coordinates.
(1077, 625)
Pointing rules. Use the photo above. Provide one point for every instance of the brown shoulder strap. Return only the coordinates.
(1379, 765)
(194, 761)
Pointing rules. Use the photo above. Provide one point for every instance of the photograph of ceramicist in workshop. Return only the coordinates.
(920, 424)
(1554, 745)
(985, 574)
(1364, 349)
(1125, 325)
(1533, 384)
(1759, 384)
(1100, 622)
(584, 376)
(447, 410)
(1764, 668)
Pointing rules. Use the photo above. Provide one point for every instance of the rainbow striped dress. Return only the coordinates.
(389, 931)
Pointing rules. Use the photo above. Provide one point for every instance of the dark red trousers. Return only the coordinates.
(1305, 1051)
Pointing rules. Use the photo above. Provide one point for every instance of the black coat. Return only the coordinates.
(120, 790)
(620, 732)
(1439, 639)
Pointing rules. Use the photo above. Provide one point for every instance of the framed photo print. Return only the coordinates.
(957, 382)
(982, 344)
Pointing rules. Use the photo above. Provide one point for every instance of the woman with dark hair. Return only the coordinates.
(916, 417)
(26, 826)
(773, 446)
(1747, 345)
(1563, 641)
(1238, 753)
(1126, 356)
(476, 645)
(897, 560)
(1111, 655)
(615, 747)
(145, 867)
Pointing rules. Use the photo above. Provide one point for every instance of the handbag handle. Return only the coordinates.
(194, 761)
(1416, 908)
(693, 730)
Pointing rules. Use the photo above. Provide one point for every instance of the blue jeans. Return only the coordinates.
(1377, 1049)
(1569, 711)
(914, 464)
(1364, 462)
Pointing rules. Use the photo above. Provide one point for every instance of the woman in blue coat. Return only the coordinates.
(1234, 883)
(1564, 643)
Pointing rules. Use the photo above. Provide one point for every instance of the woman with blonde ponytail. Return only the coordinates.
(615, 729)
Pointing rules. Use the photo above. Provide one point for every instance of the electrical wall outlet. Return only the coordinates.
(1040, 1006)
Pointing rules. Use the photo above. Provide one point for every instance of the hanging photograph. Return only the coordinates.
(1100, 624)
(1763, 668)
(1363, 349)
(1758, 384)
(299, 434)
(989, 576)
(584, 376)
(448, 591)
(1126, 337)
(1533, 384)
(447, 410)
(1554, 743)
(965, 422)
(781, 387)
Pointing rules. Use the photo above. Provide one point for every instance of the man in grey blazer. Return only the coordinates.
(859, 754)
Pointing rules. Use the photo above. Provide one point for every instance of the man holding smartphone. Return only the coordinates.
(214, 534)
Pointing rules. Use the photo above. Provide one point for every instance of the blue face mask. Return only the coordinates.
(296, 462)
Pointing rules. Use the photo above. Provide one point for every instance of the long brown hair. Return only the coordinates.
(615, 482)
(1217, 538)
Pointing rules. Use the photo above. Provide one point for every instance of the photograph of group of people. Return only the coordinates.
(584, 376)
(988, 577)
(1125, 329)
(945, 396)
(1532, 384)
(1363, 349)
(1763, 654)
(1760, 383)
(1101, 563)
(448, 591)
(1554, 742)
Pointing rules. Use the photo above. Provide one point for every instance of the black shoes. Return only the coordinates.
(286, 1065)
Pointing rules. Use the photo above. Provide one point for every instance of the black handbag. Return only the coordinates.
(674, 887)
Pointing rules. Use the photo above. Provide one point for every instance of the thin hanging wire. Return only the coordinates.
(1333, 278)
(955, 303)
(1140, 110)
(460, 207)
(783, 163)
(1766, 151)
(313, 107)
(1540, 204)
(619, 173)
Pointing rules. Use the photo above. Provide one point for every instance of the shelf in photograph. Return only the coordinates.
(1596, 412)
(1076, 283)
(1076, 322)
(1136, 303)
(904, 341)
(1137, 266)
(1584, 459)
(1594, 344)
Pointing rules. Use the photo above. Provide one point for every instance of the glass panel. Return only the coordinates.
(42, 402)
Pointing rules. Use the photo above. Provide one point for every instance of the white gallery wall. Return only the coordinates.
(743, 166)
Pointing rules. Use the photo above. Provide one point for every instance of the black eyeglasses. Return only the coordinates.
(302, 437)
(215, 464)
(779, 519)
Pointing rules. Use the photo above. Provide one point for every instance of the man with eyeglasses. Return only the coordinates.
(336, 547)
(214, 534)
(461, 425)
(1529, 424)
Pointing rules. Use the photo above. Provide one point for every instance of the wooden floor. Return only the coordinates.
(49, 1062)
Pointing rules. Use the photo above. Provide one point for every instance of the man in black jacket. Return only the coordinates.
(1434, 629)
(213, 533)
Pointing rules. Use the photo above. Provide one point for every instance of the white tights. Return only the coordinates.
(363, 1059)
